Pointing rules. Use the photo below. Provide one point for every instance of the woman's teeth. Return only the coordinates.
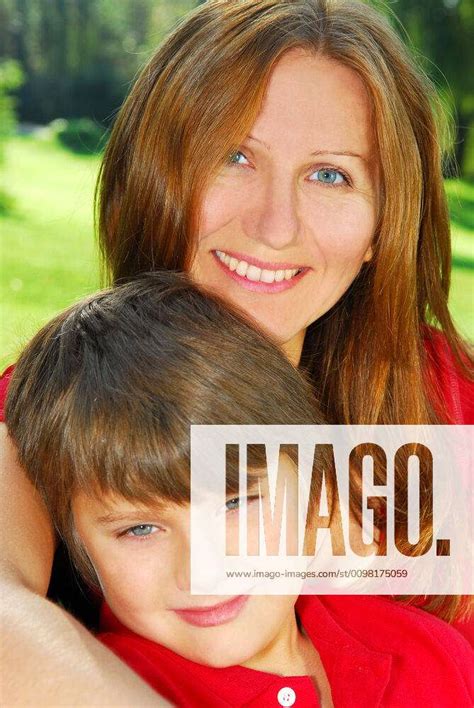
(251, 272)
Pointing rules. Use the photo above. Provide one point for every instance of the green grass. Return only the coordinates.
(48, 254)
(461, 207)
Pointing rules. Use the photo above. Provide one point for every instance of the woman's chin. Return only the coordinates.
(289, 341)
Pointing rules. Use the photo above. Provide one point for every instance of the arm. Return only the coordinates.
(47, 657)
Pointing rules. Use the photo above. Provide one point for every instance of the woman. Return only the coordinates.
(298, 142)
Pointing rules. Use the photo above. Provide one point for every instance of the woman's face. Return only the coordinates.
(288, 222)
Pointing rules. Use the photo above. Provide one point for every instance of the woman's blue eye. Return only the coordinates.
(141, 530)
(329, 176)
(236, 157)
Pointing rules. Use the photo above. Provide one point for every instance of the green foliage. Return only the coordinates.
(7, 203)
(11, 78)
(441, 32)
(468, 163)
(81, 135)
(80, 56)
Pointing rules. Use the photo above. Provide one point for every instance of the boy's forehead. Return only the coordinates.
(106, 506)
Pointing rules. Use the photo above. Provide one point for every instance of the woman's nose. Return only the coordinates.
(273, 215)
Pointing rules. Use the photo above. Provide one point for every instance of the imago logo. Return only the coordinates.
(265, 510)
(376, 509)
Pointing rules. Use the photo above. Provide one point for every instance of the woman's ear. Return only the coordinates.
(368, 254)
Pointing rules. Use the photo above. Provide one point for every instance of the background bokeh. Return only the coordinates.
(65, 67)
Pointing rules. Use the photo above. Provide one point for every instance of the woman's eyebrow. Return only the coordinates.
(262, 142)
(316, 153)
(348, 153)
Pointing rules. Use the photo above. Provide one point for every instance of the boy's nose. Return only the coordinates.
(204, 561)
(182, 575)
(181, 555)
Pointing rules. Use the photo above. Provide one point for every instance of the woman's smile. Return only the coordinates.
(256, 275)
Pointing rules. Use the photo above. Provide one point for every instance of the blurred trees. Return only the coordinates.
(11, 78)
(443, 32)
(80, 56)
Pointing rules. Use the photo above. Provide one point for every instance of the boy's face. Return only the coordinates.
(141, 557)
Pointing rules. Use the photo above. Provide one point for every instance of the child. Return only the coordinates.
(100, 406)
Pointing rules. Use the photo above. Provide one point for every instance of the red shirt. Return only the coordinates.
(375, 651)
(455, 394)
(372, 646)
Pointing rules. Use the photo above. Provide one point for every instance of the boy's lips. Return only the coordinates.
(213, 615)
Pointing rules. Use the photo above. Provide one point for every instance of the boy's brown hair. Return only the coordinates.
(103, 397)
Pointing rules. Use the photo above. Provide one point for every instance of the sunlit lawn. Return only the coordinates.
(461, 202)
(48, 251)
(48, 255)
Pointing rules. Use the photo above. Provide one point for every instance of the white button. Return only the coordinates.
(286, 696)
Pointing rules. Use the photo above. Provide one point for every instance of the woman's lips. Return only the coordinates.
(262, 264)
(259, 286)
(215, 614)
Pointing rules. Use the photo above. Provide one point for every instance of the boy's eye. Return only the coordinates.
(328, 175)
(232, 504)
(141, 530)
(237, 502)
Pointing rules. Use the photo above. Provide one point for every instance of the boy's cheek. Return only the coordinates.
(114, 568)
(127, 580)
(126, 592)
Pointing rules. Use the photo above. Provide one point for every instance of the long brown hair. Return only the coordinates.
(196, 101)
